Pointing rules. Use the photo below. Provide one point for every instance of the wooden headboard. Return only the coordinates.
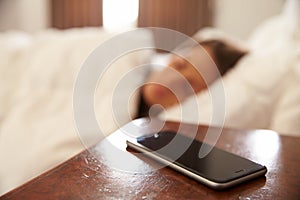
(76, 13)
(186, 16)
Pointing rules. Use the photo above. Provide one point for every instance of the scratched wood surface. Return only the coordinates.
(110, 171)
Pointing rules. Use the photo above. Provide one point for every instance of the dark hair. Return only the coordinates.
(224, 54)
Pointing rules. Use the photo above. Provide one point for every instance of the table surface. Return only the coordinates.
(110, 171)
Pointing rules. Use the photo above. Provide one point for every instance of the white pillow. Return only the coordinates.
(261, 90)
(251, 93)
(278, 32)
(286, 115)
(282, 34)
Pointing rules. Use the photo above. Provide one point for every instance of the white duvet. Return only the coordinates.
(37, 74)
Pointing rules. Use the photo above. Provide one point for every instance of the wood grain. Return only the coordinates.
(76, 13)
(110, 171)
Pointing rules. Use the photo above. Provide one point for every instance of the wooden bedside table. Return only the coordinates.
(97, 173)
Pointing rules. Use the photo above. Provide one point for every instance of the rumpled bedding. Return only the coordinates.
(37, 74)
(262, 90)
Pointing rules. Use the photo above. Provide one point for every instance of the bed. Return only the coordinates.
(37, 128)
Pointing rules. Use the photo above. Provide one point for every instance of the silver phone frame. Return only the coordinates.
(212, 184)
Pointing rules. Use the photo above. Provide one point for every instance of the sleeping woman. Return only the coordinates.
(181, 78)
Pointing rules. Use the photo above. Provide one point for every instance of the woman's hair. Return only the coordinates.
(225, 55)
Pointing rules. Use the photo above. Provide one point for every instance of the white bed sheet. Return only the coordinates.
(37, 75)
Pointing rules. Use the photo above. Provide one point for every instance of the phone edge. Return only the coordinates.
(205, 181)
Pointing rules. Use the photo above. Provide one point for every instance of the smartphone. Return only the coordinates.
(218, 169)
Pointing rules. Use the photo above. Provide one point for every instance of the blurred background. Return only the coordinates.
(39, 65)
(235, 17)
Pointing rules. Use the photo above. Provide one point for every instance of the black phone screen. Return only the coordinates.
(218, 165)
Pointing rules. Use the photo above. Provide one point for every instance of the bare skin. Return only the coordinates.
(188, 80)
